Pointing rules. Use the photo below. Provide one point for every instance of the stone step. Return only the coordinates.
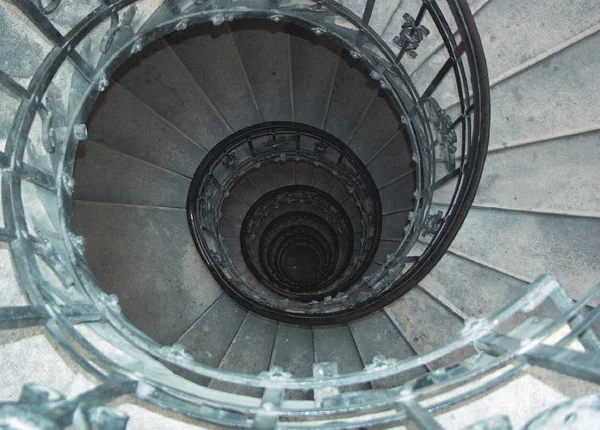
(103, 174)
(265, 53)
(250, 352)
(158, 78)
(146, 257)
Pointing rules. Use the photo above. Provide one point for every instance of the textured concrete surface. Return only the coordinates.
(515, 399)
(426, 324)
(558, 176)
(265, 53)
(105, 175)
(337, 344)
(10, 292)
(314, 64)
(210, 336)
(123, 122)
(376, 129)
(373, 335)
(527, 245)
(294, 352)
(152, 287)
(476, 290)
(23, 48)
(159, 79)
(525, 106)
(353, 93)
(250, 352)
(535, 27)
(223, 78)
(45, 364)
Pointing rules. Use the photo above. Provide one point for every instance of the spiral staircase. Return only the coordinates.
(275, 214)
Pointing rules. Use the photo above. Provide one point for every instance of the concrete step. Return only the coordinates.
(376, 335)
(219, 71)
(557, 176)
(336, 343)
(294, 353)
(121, 121)
(353, 93)
(314, 64)
(209, 337)
(379, 126)
(250, 352)
(526, 244)
(525, 104)
(537, 29)
(105, 175)
(157, 77)
(147, 258)
(265, 53)
(426, 324)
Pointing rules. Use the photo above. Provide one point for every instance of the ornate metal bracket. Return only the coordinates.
(446, 136)
(411, 35)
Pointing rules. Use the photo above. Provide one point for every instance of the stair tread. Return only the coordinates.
(122, 248)
(384, 249)
(353, 92)
(538, 27)
(250, 352)
(398, 195)
(283, 173)
(322, 179)
(263, 179)
(426, 324)
(476, 290)
(337, 344)
(558, 176)
(246, 191)
(121, 121)
(294, 353)
(394, 157)
(560, 245)
(157, 77)
(376, 335)
(379, 125)
(230, 227)
(314, 64)
(525, 104)
(234, 207)
(210, 336)
(219, 71)
(8, 110)
(265, 54)
(304, 173)
(105, 175)
(392, 226)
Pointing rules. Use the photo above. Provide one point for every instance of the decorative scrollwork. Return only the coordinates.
(49, 8)
(277, 141)
(116, 25)
(411, 35)
(445, 134)
(432, 223)
(230, 160)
